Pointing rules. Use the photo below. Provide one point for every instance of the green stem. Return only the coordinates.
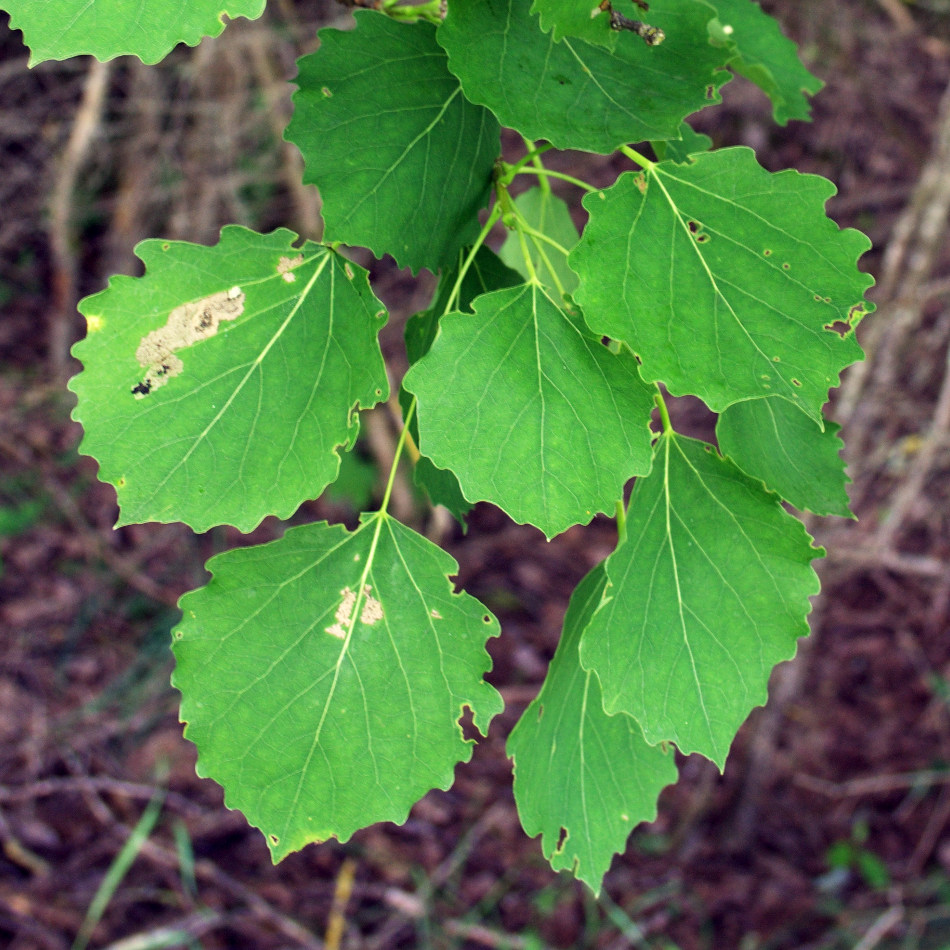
(493, 216)
(621, 522)
(538, 169)
(545, 173)
(635, 156)
(400, 445)
(531, 156)
(664, 412)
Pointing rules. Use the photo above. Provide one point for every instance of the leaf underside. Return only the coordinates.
(300, 667)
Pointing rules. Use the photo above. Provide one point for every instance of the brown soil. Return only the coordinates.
(828, 828)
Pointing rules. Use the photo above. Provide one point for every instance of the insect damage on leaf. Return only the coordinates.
(286, 265)
(371, 613)
(186, 325)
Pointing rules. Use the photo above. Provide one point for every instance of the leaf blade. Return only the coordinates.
(245, 421)
(688, 649)
(316, 725)
(59, 29)
(582, 779)
(751, 283)
(377, 117)
(770, 439)
(559, 423)
(577, 95)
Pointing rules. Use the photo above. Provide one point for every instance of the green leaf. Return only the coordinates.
(323, 677)
(728, 281)
(681, 149)
(576, 95)
(217, 388)
(583, 779)
(772, 440)
(581, 20)
(486, 273)
(707, 593)
(764, 55)
(547, 213)
(402, 160)
(58, 29)
(555, 423)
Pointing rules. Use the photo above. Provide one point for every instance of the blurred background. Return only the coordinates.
(829, 828)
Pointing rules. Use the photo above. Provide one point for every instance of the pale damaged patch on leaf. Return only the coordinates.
(286, 265)
(187, 325)
(371, 613)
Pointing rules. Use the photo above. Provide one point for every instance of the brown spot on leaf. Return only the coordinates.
(186, 325)
(286, 265)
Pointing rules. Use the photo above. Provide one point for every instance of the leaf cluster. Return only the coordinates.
(324, 675)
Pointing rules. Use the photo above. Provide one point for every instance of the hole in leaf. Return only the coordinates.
(561, 838)
(710, 92)
(693, 226)
(767, 252)
(326, 92)
(840, 327)
(540, 711)
(786, 266)
(702, 238)
(796, 382)
(486, 618)
(776, 359)
(178, 634)
(274, 839)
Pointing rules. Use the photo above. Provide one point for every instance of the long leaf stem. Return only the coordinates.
(545, 173)
(664, 412)
(635, 156)
(534, 152)
(493, 217)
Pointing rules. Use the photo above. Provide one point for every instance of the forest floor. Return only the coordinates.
(829, 827)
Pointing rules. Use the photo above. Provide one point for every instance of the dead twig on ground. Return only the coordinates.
(60, 228)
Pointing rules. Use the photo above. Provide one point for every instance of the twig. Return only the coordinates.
(207, 871)
(169, 935)
(917, 239)
(64, 292)
(874, 784)
(43, 788)
(879, 929)
(911, 491)
(341, 897)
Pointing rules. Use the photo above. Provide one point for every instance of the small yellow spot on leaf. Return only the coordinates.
(94, 323)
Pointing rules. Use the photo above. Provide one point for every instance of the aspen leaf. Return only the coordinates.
(323, 677)
(218, 388)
